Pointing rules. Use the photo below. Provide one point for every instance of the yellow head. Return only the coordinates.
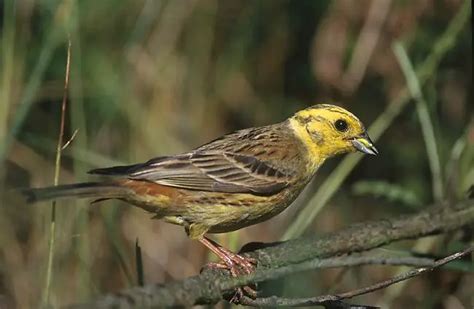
(328, 130)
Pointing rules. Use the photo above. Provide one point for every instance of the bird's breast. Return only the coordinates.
(230, 212)
(221, 212)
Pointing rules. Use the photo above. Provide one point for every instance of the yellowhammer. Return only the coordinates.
(237, 180)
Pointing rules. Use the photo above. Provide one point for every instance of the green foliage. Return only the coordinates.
(391, 192)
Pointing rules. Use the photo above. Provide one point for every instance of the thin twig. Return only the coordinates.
(327, 301)
(52, 227)
(410, 274)
(69, 141)
(333, 300)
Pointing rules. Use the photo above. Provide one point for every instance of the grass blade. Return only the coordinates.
(414, 87)
(139, 264)
(52, 227)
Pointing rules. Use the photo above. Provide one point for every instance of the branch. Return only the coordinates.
(335, 301)
(280, 259)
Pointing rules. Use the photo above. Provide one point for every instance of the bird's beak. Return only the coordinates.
(364, 144)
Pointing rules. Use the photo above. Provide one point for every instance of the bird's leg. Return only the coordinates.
(235, 263)
(230, 259)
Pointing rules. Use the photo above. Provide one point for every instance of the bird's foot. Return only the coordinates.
(235, 260)
(238, 265)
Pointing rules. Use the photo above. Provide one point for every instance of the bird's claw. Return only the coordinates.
(238, 265)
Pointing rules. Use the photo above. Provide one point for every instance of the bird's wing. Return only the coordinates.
(215, 171)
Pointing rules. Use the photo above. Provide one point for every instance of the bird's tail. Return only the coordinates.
(79, 190)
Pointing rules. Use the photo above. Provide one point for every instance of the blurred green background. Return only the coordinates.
(150, 78)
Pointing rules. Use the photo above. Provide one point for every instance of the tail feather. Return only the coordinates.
(78, 190)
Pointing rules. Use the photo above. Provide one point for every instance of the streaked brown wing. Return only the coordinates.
(209, 171)
(216, 171)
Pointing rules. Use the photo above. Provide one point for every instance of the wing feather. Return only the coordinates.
(208, 171)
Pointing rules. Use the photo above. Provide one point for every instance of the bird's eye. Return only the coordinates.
(341, 125)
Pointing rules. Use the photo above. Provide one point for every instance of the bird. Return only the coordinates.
(237, 180)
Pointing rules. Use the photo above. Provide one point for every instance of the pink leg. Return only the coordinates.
(235, 263)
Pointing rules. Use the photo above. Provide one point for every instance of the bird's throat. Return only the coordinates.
(315, 158)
